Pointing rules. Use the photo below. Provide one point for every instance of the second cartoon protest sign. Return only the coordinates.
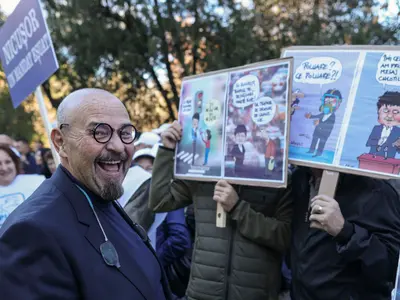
(235, 125)
(346, 109)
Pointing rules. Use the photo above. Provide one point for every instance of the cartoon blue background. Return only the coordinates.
(364, 116)
(301, 129)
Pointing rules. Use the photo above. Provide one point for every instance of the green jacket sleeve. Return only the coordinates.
(137, 207)
(167, 193)
(274, 233)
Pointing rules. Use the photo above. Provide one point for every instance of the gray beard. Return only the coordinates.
(111, 191)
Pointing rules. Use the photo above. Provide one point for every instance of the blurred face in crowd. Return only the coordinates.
(101, 167)
(38, 158)
(51, 165)
(145, 162)
(22, 147)
(37, 146)
(8, 169)
(6, 140)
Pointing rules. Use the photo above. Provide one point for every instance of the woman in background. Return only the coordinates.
(14, 186)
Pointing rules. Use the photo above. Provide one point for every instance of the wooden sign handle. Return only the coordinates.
(328, 183)
(221, 216)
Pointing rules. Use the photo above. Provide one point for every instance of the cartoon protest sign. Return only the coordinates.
(240, 132)
(200, 152)
(255, 131)
(372, 140)
(352, 96)
(321, 90)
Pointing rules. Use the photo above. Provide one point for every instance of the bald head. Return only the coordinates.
(96, 146)
(76, 105)
(6, 140)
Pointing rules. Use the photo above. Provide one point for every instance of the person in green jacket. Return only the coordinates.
(241, 261)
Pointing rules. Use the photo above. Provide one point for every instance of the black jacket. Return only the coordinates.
(360, 263)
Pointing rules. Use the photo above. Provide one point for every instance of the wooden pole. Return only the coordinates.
(221, 216)
(46, 122)
(328, 183)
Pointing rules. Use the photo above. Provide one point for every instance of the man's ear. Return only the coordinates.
(58, 142)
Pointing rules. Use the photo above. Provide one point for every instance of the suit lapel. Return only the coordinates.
(94, 234)
(142, 234)
(129, 264)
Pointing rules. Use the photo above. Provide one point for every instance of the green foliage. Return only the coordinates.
(14, 122)
(141, 49)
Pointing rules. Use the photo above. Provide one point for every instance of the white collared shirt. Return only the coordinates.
(326, 117)
(384, 135)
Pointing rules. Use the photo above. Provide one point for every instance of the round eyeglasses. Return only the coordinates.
(103, 132)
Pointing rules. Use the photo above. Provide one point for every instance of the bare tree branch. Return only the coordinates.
(164, 47)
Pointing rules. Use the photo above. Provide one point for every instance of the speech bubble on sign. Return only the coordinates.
(318, 70)
(388, 71)
(245, 91)
(212, 112)
(263, 111)
(187, 106)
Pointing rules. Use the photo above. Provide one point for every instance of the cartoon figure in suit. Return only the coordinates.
(238, 151)
(324, 121)
(384, 139)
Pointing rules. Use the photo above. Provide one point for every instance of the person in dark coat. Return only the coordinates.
(70, 239)
(347, 247)
(172, 237)
(241, 261)
(174, 250)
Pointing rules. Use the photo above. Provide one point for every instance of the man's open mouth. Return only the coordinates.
(110, 165)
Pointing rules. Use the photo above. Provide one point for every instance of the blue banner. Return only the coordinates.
(26, 50)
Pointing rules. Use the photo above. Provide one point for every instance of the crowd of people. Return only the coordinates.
(67, 237)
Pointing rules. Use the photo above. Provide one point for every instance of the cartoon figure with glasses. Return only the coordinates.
(384, 139)
(325, 120)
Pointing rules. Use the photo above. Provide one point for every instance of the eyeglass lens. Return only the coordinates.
(103, 133)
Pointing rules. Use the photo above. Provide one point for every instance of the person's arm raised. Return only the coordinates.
(167, 193)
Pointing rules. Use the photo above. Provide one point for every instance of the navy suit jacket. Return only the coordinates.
(324, 128)
(388, 145)
(49, 250)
